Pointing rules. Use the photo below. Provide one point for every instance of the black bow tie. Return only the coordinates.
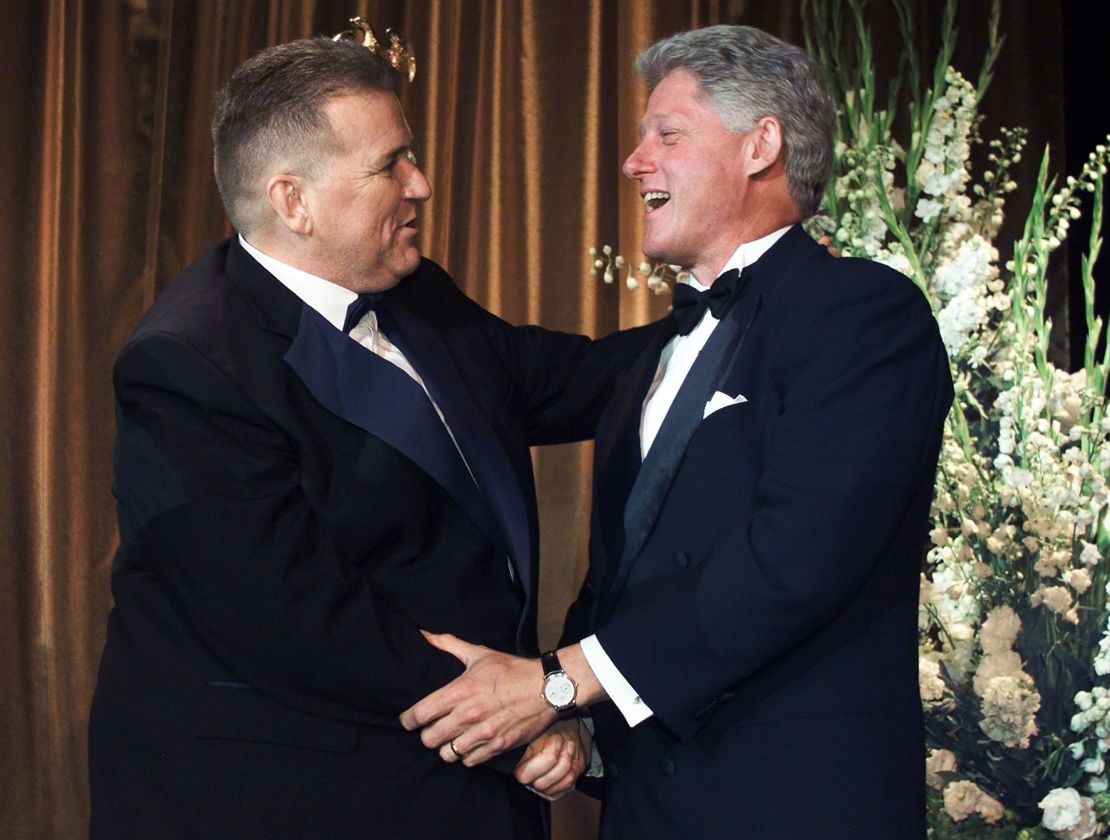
(360, 306)
(689, 304)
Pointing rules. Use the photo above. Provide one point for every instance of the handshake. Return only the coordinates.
(497, 704)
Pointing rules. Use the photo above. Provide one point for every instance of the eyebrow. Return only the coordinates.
(654, 118)
(395, 153)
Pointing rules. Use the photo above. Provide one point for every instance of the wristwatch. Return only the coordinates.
(559, 690)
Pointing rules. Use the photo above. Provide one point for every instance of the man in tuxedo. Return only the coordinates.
(746, 637)
(322, 449)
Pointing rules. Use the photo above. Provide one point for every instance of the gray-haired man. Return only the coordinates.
(745, 639)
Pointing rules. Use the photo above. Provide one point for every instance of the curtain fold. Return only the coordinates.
(523, 112)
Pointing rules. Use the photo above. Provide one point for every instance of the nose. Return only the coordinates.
(417, 187)
(639, 163)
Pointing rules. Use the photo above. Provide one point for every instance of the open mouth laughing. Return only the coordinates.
(655, 199)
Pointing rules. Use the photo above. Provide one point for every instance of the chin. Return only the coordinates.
(656, 253)
(407, 266)
(656, 247)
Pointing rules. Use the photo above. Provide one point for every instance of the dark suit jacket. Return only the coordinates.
(283, 537)
(770, 618)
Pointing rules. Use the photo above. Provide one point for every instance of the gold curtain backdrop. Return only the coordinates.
(523, 112)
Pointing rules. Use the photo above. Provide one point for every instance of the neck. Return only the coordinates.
(272, 247)
(757, 225)
(708, 273)
(290, 252)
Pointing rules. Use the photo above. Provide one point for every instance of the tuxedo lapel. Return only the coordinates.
(685, 414)
(378, 397)
(617, 448)
(350, 381)
(483, 450)
(714, 366)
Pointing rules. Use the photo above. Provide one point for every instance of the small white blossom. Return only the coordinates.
(939, 761)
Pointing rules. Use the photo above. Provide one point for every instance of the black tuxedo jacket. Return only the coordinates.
(287, 526)
(769, 615)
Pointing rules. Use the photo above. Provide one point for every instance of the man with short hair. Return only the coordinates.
(322, 448)
(746, 637)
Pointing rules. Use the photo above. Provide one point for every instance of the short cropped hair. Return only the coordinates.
(744, 74)
(272, 112)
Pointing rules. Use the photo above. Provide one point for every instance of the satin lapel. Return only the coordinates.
(617, 447)
(713, 364)
(484, 452)
(369, 392)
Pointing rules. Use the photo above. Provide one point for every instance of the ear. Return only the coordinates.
(286, 193)
(766, 146)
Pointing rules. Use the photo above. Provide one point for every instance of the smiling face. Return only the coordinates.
(693, 175)
(363, 205)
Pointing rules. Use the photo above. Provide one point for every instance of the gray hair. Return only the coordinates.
(744, 74)
(271, 112)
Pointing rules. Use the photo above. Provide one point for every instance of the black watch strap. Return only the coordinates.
(549, 661)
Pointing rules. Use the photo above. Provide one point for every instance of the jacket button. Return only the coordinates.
(666, 766)
(681, 560)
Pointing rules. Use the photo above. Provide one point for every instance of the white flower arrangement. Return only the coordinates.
(1014, 629)
(1014, 623)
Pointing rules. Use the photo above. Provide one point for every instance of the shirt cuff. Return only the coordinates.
(623, 695)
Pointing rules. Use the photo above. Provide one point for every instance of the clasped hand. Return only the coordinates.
(494, 706)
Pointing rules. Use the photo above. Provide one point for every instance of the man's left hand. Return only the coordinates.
(553, 762)
(493, 706)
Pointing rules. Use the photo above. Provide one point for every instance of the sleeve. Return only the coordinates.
(630, 704)
(865, 387)
(213, 514)
(565, 380)
(560, 381)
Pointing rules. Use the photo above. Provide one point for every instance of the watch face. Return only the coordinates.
(559, 690)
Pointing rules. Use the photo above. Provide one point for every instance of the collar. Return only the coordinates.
(330, 300)
(746, 254)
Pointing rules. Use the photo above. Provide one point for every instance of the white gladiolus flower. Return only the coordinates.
(1090, 555)
(972, 265)
(1078, 579)
(964, 314)
(1102, 658)
(1056, 598)
(927, 209)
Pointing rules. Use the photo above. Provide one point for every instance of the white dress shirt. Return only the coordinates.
(675, 361)
(332, 301)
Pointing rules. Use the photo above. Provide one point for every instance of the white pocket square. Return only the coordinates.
(721, 400)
